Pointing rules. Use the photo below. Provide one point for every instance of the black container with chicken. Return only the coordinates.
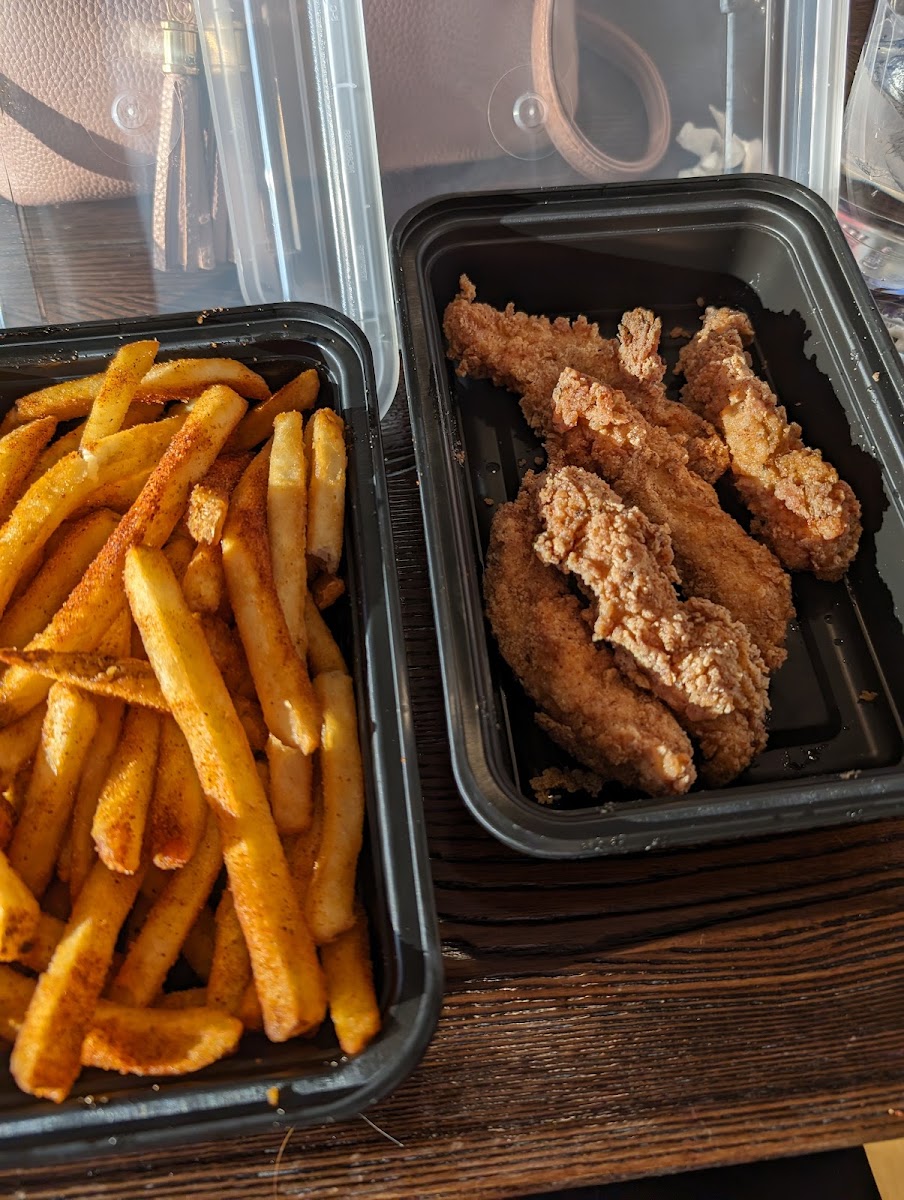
(832, 747)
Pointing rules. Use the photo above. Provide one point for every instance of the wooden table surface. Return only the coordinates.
(602, 1020)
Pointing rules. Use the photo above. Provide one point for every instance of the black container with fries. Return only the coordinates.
(271, 1085)
(836, 747)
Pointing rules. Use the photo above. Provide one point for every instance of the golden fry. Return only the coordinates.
(204, 582)
(323, 653)
(178, 809)
(327, 462)
(37, 952)
(46, 1056)
(287, 514)
(229, 655)
(121, 379)
(19, 452)
(18, 743)
(61, 571)
(67, 486)
(95, 602)
(326, 590)
(209, 500)
(298, 395)
(331, 896)
(122, 807)
(195, 997)
(284, 961)
(249, 713)
(350, 986)
(187, 377)
(66, 736)
(141, 1041)
(291, 774)
(129, 679)
(19, 912)
(150, 956)
(230, 970)
(82, 855)
(287, 698)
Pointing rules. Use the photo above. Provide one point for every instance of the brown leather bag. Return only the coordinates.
(103, 99)
(457, 83)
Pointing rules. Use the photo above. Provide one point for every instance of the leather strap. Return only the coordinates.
(614, 44)
(67, 138)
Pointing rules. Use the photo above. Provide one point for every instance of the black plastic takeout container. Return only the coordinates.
(762, 244)
(313, 1082)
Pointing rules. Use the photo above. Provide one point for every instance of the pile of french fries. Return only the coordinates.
(181, 787)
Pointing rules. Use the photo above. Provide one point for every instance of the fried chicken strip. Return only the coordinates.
(589, 708)
(526, 354)
(693, 655)
(800, 507)
(598, 429)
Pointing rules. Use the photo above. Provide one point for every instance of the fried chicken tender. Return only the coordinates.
(526, 354)
(693, 655)
(800, 507)
(598, 429)
(588, 707)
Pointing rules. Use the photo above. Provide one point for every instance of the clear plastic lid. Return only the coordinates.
(173, 155)
(161, 156)
(530, 93)
(290, 96)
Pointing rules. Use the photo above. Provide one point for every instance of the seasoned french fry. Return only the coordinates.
(291, 774)
(61, 571)
(350, 986)
(38, 951)
(19, 912)
(298, 395)
(204, 582)
(67, 486)
(133, 1041)
(287, 516)
(82, 855)
(229, 655)
(65, 444)
(187, 377)
(323, 653)
(197, 950)
(195, 997)
(94, 603)
(302, 850)
(8, 818)
(178, 809)
(47, 1053)
(230, 970)
(166, 927)
(287, 698)
(71, 398)
(249, 713)
(178, 551)
(156, 1042)
(121, 379)
(327, 461)
(326, 590)
(18, 743)
(118, 496)
(66, 735)
(284, 961)
(19, 452)
(129, 679)
(209, 500)
(122, 807)
(250, 1012)
(331, 896)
